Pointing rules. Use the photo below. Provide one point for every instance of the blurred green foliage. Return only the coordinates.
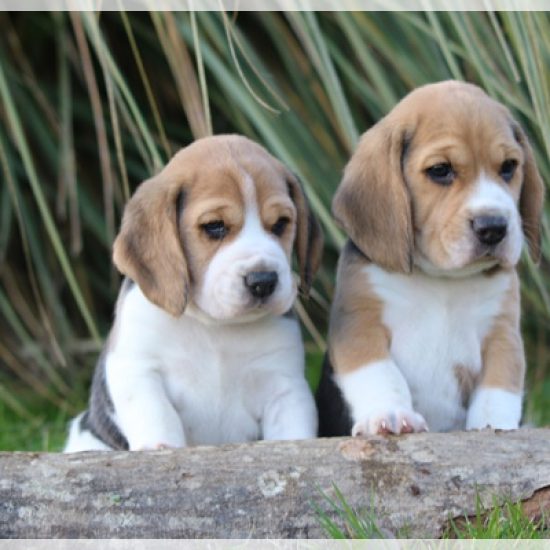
(92, 104)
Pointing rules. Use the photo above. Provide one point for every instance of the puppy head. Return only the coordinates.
(216, 228)
(446, 181)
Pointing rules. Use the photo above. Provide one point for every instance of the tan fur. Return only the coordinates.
(167, 260)
(386, 202)
(531, 199)
(472, 148)
(309, 238)
(372, 202)
(394, 213)
(357, 334)
(467, 381)
(148, 248)
(502, 350)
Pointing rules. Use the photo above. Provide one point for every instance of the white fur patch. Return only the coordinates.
(494, 408)
(183, 381)
(374, 386)
(436, 324)
(82, 440)
(379, 399)
(489, 197)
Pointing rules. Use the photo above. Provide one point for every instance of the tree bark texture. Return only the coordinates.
(413, 483)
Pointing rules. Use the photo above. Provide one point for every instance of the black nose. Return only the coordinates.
(261, 283)
(490, 230)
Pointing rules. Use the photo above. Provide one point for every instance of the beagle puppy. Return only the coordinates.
(204, 348)
(424, 331)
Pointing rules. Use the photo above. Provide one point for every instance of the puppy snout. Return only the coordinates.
(261, 284)
(490, 230)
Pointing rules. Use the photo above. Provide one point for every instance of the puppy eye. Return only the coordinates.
(216, 230)
(508, 169)
(441, 173)
(278, 228)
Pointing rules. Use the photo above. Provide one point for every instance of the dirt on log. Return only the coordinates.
(268, 489)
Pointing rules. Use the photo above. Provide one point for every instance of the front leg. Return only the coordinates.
(374, 388)
(496, 402)
(289, 411)
(494, 408)
(380, 400)
(143, 411)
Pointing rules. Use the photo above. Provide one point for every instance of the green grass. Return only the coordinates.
(92, 105)
(343, 522)
(504, 520)
(44, 429)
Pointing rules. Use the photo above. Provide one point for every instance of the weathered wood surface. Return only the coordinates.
(266, 489)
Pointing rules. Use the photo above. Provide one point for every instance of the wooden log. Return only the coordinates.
(266, 489)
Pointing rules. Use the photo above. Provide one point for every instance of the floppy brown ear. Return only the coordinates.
(148, 248)
(309, 240)
(531, 200)
(372, 203)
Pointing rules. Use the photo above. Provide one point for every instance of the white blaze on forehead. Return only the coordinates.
(490, 197)
(252, 229)
(248, 190)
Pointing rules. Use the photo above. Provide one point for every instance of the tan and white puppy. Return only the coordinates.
(204, 348)
(424, 331)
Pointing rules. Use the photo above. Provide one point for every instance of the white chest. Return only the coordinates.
(218, 380)
(437, 327)
(216, 377)
(208, 386)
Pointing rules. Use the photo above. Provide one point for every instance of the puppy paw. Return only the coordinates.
(154, 447)
(396, 421)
